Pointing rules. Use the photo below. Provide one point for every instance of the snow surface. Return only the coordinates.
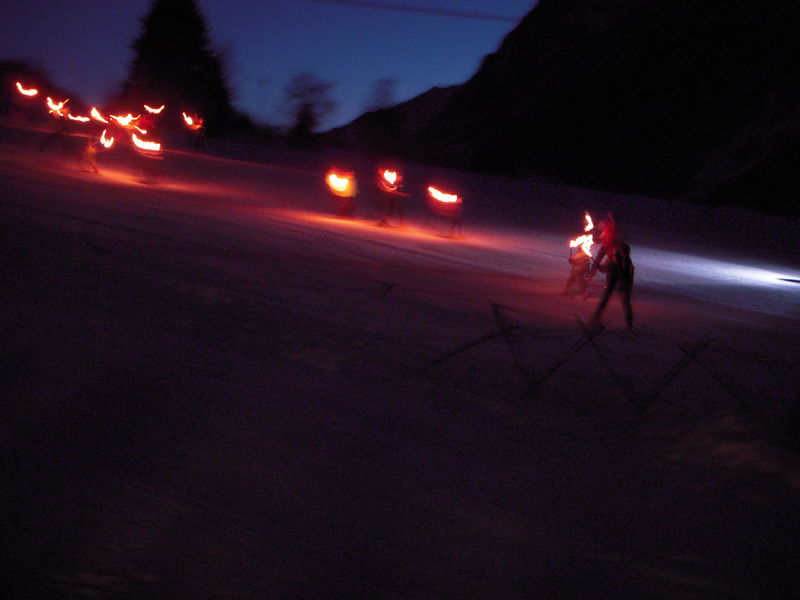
(215, 388)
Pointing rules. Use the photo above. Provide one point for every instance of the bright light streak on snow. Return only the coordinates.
(696, 269)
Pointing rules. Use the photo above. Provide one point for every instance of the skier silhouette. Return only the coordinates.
(619, 270)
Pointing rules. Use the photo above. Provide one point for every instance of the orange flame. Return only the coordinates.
(80, 118)
(55, 107)
(587, 240)
(443, 197)
(341, 184)
(140, 130)
(107, 142)
(155, 111)
(589, 223)
(388, 180)
(97, 116)
(28, 91)
(126, 120)
(144, 145)
(390, 176)
(192, 123)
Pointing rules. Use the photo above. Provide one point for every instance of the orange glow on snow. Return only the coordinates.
(145, 145)
(97, 116)
(107, 142)
(26, 91)
(155, 111)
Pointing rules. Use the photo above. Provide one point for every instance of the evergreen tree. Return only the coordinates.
(174, 64)
(308, 101)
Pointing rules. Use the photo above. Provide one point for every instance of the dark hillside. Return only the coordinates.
(663, 97)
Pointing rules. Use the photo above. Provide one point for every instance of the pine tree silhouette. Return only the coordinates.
(175, 64)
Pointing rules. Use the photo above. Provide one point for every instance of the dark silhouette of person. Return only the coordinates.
(608, 237)
(90, 153)
(392, 191)
(579, 273)
(59, 134)
(618, 268)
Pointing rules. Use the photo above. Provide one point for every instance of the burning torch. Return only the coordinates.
(585, 241)
(448, 205)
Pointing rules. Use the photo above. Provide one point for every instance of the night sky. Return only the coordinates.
(85, 45)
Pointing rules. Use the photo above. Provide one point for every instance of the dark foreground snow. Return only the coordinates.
(214, 389)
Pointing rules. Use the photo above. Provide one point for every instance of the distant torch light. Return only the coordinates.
(26, 91)
(388, 180)
(145, 145)
(443, 197)
(97, 116)
(126, 120)
(341, 183)
(443, 203)
(155, 111)
(56, 107)
(106, 141)
(193, 123)
(80, 118)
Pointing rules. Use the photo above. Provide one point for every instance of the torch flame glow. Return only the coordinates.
(126, 120)
(144, 145)
(97, 116)
(193, 123)
(107, 142)
(155, 111)
(443, 197)
(55, 107)
(28, 91)
(341, 184)
(587, 240)
(589, 223)
(390, 176)
(140, 130)
(80, 118)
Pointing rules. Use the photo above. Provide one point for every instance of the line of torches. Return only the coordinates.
(343, 183)
(128, 122)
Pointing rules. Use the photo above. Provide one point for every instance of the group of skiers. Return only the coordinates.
(614, 259)
(392, 195)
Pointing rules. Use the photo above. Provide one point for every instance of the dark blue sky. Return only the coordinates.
(85, 44)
